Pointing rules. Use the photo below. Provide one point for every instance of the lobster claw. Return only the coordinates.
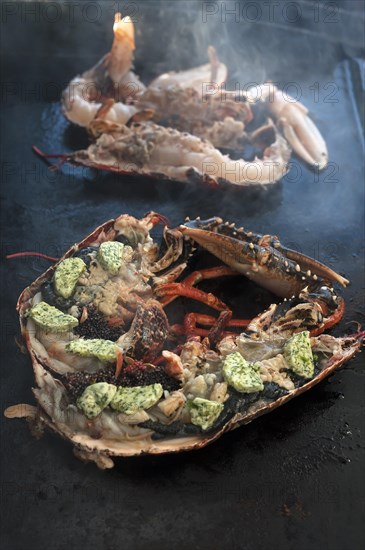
(259, 263)
(292, 118)
(282, 271)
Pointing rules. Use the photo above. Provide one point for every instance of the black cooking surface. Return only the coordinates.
(292, 479)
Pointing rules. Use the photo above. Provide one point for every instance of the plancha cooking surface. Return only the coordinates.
(292, 479)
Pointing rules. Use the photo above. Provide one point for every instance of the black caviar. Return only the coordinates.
(144, 375)
(133, 375)
(96, 326)
(77, 382)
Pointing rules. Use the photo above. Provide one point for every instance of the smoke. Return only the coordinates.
(255, 39)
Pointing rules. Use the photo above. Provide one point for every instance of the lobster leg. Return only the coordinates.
(198, 276)
(215, 333)
(181, 289)
(208, 320)
(179, 330)
(209, 273)
(216, 325)
(217, 330)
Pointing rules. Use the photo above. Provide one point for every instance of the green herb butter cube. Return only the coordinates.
(110, 256)
(131, 400)
(52, 319)
(298, 354)
(203, 412)
(95, 398)
(241, 375)
(66, 276)
(105, 350)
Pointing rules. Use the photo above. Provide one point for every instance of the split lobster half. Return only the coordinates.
(115, 378)
(185, 125)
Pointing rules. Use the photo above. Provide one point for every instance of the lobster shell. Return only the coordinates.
(101, 450)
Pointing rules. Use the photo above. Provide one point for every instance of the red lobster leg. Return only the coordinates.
(181, 289)
(209, 273)
(198, 276)
(216, 332)
(179, 330)
(190, 325)
(209, 320)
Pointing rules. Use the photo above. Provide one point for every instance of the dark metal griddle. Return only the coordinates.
(293, 479)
